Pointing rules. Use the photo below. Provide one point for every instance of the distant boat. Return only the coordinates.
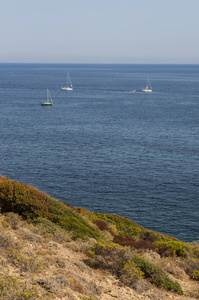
(49, 101)
(148, 88)
(69, 86)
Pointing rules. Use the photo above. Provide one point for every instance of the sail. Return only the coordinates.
(149, 83)
(148, 88)
(48, 101)
(69, 82)
(69, 86)
(49, 98)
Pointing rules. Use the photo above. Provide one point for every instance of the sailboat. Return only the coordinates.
(49, 101)
(148, 88)
(69, 86)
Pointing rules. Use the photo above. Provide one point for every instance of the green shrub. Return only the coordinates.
(111, 257)
(157, 276)
(32, 204)
(196, 275)
(130, 273)
(123, 225)
(172, 248)
(128, 267)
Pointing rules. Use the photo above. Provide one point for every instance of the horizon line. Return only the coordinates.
(97, 63)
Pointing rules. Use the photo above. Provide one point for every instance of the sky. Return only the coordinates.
(99, 31)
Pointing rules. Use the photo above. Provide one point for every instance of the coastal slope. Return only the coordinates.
(53, 250)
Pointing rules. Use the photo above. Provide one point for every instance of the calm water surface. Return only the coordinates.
(104, 147)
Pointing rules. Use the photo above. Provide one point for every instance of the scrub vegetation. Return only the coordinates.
(37, 233)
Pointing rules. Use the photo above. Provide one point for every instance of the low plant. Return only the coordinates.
(157, 276)
(172, 248)
(130, 273)
(121, 262)
(50, 230)
(124, 240)
(115, 224)
(137, 244)
(24, 263)
(189, 265)
(12, 219)
(194, 294)
(196, 275)
(4, 224)
(32, 204)
(12, 288)
(8, 242)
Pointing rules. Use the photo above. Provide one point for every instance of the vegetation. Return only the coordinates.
(12, 288)
(112, 243)
(32, 204)
(196, 275)
(130, 267)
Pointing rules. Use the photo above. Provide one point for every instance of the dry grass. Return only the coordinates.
(44, 257)
(29, 251)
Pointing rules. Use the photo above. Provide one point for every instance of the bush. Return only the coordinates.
(102, 225)
(13, 219)
(143, 245)
(149, 235)
(32, 204)
(124, 240)
(157, 276)
(50, 230)
(124, 226)
(137, 244)
(172, 248)
(130, 273)
(196, 275)
(128, 267)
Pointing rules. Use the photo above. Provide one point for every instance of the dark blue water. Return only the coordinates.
(104, 147)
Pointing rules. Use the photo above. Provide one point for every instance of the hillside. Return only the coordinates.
(52, 250)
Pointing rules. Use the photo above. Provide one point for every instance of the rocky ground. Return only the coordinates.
(54, 268)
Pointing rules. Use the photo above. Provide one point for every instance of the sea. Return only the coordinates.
(106, 146)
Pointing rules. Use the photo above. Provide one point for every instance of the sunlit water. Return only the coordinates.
(104, 147)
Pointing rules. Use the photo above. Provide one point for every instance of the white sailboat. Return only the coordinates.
(49, 101)
(69, 86)
(148, 88)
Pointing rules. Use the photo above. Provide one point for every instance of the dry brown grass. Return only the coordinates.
(40, 260)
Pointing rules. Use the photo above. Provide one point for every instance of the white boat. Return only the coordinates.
(148, 88)
(49, 101)
(69, 86)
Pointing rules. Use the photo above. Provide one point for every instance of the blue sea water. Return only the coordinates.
(104, 147)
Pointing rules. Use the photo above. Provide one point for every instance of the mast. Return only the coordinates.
(47, 95)
(67, 79)
(49, 98)
(148, 83)
(69, 82)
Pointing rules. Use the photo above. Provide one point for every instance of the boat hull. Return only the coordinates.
(66, 88)
(46, 104)
(146, 91)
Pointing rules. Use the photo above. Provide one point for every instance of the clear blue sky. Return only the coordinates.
(99, 31)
